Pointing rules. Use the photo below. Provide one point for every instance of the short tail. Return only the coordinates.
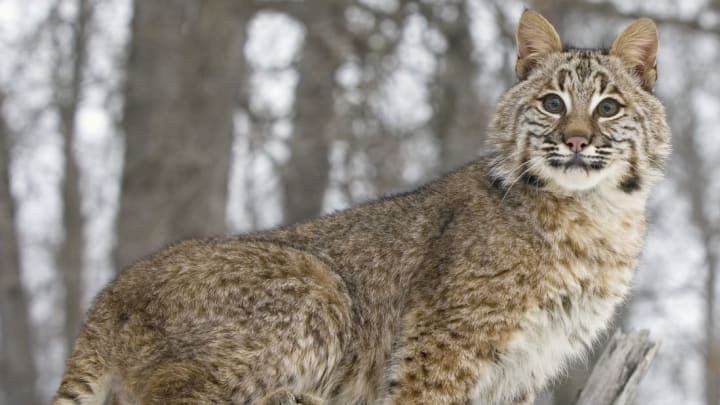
(87, 377)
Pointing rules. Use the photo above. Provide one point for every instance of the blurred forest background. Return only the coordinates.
(125, 125)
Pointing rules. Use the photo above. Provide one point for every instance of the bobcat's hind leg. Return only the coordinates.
(87, 378)
(285, 397)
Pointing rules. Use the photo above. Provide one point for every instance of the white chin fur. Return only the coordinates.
(576, 179)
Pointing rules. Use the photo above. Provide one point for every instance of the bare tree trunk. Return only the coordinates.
(17, 365)
(305, 175)
(712, 343)
(179, 101)
(68, 94)
(460, 117)
(695, 183)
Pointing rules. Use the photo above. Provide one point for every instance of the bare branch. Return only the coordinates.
(610, 9)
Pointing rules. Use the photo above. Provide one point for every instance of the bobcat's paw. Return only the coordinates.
(285, 397)
(527, 399)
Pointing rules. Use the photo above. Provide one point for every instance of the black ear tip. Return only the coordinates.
(530, 11)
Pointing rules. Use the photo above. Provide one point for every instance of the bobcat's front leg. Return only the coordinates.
(436, 363)
(450, 380)
(433, 374)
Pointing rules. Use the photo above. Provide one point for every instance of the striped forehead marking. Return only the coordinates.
(583, 66)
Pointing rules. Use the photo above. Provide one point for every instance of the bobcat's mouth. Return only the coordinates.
(576, 171)
(577, 161)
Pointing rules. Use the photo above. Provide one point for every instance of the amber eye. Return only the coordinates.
(608, 107)
(553, 104)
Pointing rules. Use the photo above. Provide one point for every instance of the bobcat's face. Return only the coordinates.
(586, 121)
(581, 119)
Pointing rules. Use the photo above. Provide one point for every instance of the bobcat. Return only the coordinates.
(476, 288)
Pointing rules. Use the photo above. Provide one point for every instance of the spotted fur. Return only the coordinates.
(476, 288)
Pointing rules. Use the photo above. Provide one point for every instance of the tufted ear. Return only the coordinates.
(637, 48)
(536, 38)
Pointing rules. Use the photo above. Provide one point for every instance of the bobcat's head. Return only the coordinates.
(580, 119)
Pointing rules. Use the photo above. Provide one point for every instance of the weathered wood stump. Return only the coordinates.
(617, 374)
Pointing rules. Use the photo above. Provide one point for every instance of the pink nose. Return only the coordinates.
(576, 143)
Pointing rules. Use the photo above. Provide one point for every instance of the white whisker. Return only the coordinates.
(531, 165)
